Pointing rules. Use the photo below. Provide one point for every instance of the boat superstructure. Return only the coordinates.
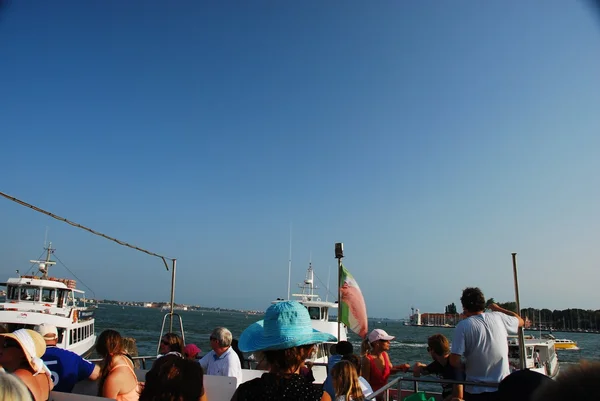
(319, 312)
(32, 300)
(546, 360)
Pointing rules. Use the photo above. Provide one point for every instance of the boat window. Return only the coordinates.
(30, 294)
(48, 295)
(62, 294)
(322, 350)
(314, 312)
(12, 293)
(529, 352)
(70, 336)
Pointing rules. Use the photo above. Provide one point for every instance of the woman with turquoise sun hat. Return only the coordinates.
(287, 339)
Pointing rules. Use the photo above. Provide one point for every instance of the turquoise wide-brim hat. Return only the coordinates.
(286, 325)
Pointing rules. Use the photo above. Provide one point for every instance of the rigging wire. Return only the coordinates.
(34, 264)
(323, 284)
(54, 216)
(74, 275)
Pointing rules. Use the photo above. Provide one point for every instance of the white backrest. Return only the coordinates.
(217, 388)
(58, 396)
(249, 374)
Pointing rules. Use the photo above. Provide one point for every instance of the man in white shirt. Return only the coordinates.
(482, 338)
(222, 360)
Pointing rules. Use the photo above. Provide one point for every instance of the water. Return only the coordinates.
(410, 345)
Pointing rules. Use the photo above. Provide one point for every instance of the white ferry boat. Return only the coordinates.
(319, 315)
(32, 300)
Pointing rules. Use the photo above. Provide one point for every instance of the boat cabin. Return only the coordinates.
(32, 300)
(35, 292)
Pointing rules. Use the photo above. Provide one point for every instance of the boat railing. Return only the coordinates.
(150, 358)
(141, 359)
(396, 384)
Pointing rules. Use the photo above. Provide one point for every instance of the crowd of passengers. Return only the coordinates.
(31, 365)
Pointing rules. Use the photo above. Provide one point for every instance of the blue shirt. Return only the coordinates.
(328, 383)
(67, 368)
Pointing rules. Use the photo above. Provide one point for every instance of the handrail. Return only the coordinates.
(142, 359)
(398, 382)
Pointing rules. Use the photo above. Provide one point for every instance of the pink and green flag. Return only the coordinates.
(353, 311)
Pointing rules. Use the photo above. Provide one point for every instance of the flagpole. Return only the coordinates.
(521, 331)
(339, 254)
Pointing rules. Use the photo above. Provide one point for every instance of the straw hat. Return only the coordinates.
(33, 346)
(286, 325)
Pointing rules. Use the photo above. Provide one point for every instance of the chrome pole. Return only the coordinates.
(520, 332)
(172, 295)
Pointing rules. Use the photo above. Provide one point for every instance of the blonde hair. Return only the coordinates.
(365, 347)
(13, 389)
(345, 381)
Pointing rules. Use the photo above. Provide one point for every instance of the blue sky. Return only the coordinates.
(432, 138)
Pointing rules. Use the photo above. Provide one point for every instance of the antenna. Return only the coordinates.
(328, 277)
(290, 264)
(46, 237)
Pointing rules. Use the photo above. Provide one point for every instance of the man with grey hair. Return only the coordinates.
(222, 360)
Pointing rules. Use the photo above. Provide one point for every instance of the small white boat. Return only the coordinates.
(547, 362)
(32, 300)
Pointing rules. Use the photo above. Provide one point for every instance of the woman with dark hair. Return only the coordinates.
(286, 339)
(174, 378)
(117, 378)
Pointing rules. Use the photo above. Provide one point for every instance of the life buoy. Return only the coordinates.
(75, 316)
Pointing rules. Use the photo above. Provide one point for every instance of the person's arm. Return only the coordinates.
(455, 361)
(457, 391)
(419, 369)
(400, 368)
(112, 385)
(95, 373)
(204, 362)
(325, 396)
(498, 308)
(366, 369)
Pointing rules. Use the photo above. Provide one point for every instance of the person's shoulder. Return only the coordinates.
(434, 367)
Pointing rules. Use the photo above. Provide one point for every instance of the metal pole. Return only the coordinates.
(173, 272)
(339, 254)
(521, 333)
(339, 297)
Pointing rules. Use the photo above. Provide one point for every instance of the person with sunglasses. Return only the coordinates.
(171, 343)
(20, 353)
(222, 360)
(439, 349)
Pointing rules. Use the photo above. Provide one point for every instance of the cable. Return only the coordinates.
(322, 283)
(74, 275)
(35, 264)
(54, 216)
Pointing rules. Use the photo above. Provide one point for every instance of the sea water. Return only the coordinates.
(410, 345)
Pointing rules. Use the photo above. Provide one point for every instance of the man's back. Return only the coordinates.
(482, 340)
(67, 368)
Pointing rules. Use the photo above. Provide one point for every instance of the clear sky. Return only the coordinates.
(433, 138)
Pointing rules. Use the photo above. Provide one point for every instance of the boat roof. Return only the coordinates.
(36, 283)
